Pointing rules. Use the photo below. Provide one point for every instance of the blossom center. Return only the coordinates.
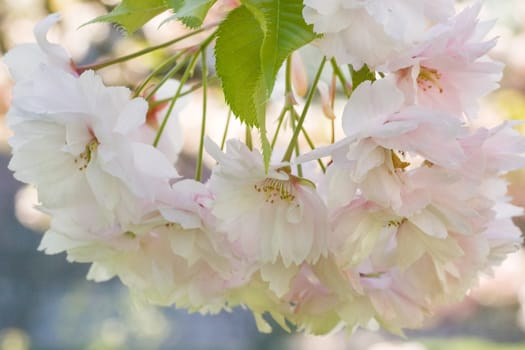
(428, 78)
(83, 159)
(275, 189)
(397, 161)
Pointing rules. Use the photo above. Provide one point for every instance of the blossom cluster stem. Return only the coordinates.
(297, 150)
(183, 80)
(187, 73)
(204, 68)
(166, 77)
(226, 127)
(194, 87)
(280, 120)
(339, 73)
(308, 140)
(157, 70)
(146, 51)
(288, 154)
(289, 99)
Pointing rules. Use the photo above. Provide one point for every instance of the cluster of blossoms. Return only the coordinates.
(411, 208)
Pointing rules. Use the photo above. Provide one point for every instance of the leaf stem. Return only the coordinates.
(248, 138)
(288, 75)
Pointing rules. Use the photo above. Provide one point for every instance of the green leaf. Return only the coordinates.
(238, 65)
(359, 76)
(190, 12)
(252, 44)
(133, 14)
(260, 99)
(284, 32)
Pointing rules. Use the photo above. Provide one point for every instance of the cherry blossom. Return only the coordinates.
(272, 218)
(380, 132)
(400, 217)
(369, 32)
(449, 70)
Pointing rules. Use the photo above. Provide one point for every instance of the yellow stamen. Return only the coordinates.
(429, 78)
(274, 189)
(397, 162)
(83, 159)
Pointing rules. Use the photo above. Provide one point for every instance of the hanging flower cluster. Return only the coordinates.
(400, 216)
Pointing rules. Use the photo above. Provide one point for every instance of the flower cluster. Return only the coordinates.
(411, 208)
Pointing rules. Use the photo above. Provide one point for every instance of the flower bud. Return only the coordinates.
(299, 76)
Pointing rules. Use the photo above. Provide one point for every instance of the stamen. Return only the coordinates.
(83, 159)
(274, 189)
(393, 223)
(396, 223)
(429, 78)
(397, 162)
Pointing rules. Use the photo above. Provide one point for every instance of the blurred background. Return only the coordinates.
(46, 303)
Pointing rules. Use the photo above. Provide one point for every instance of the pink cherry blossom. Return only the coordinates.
(369, 32)
(275, 219)
(380, 133)
(450, 69)
(271, 216)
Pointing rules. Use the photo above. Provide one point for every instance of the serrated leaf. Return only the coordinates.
(253, 42)
(238, 64)
(133, 14)
(260, 106)
(190, 12)
(284, 32)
